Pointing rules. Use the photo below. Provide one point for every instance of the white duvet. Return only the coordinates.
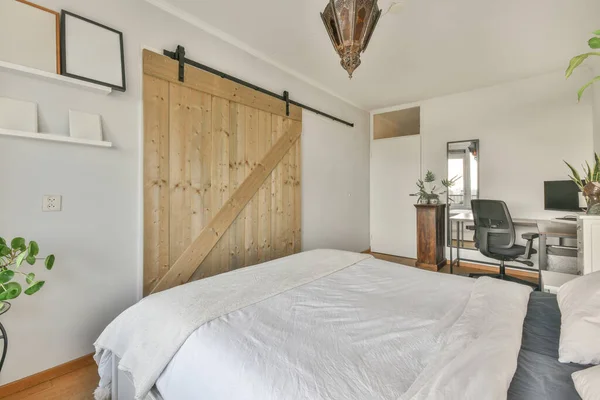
(374, 330)
(322, 325)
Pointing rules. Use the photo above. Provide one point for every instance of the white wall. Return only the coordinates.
(97, 237)
(335, 171)
(596, 95)
(526, 129)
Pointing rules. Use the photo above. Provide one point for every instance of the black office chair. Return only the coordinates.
(495, 237)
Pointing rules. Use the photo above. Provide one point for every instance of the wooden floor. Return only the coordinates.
(77, 385)
(465, 269)
(80, 384)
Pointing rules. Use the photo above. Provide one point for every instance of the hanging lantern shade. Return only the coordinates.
(350, 24)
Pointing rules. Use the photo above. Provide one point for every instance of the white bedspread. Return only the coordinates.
(146, 336)
(374, 330)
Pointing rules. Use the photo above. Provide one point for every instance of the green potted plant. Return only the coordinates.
(13, 256)
(428, 192)
(589, 184)
(576, 61)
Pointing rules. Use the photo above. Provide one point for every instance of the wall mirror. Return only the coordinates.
(463, 166)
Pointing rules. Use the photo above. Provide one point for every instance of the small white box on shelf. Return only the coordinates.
(84, 125)
(18, 115)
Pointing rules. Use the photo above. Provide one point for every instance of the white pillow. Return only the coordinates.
(587, 383)
(579, 302)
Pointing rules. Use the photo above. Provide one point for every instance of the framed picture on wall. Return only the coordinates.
(30, 35)
(92, 52)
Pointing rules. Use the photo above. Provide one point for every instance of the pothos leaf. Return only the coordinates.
(34, 249)
(34, 288)
(30, 278)
(2, 241)
(18, 243)
(30, 259)
(6, 276)
(10, 291)
(20, 259)
(597, 33)
(49, 262)
(594, 43)
(4, 250)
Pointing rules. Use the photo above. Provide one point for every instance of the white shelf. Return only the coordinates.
(49, 76)
(55, 138)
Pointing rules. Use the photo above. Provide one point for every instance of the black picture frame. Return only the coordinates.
(63, 51)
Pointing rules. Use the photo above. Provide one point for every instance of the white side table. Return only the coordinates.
(552, 281)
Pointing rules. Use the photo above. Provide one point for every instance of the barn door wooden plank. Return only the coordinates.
(194, 255)
(287, 238)
(298, 198)
(291, 180)
(252, 207)
(220, 175)
(205, 163)
(277, 214)
(185, 125)
(237, 174)
(156, 181)
(201, 148)
(264, 194)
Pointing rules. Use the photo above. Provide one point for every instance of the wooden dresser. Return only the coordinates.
(431, 236)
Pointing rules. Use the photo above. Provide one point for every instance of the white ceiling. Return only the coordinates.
(424, 49)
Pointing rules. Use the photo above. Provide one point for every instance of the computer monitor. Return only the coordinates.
(561, 196)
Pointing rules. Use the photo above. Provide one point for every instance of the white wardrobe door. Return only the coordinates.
(395, 168)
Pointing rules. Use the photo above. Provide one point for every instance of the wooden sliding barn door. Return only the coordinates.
(221, 175)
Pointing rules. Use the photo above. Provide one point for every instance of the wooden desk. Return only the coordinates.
(555, 229)
(547, 228)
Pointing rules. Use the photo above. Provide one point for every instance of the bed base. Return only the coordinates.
(122, 386)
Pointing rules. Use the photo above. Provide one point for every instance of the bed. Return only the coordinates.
(539, 375)
(325, 325)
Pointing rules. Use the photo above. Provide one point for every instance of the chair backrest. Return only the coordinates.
(492, 219)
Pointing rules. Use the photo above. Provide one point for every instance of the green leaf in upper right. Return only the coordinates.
(594, 43)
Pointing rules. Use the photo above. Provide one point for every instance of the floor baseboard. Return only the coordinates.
(45, 376)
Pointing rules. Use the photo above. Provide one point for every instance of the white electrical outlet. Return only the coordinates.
(52, 203)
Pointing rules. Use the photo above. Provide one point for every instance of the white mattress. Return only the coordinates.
(365, 332)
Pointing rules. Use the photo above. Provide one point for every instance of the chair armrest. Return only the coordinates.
(530, 236)
(529, 248)
(470, 227)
